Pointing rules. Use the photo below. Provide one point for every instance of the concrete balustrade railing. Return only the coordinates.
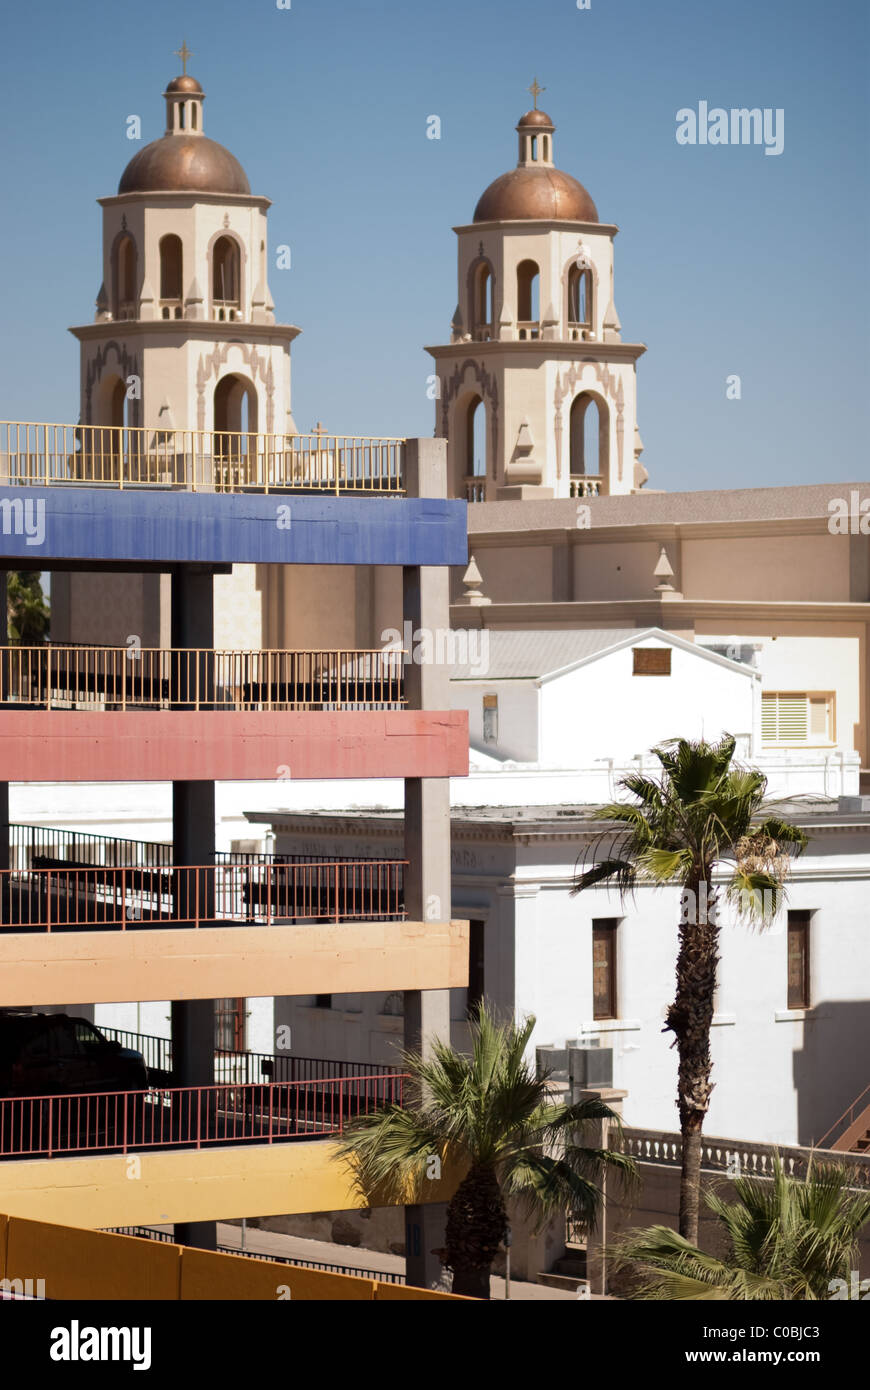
(738, 1158)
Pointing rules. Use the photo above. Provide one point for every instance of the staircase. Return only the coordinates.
(850, 1134)
(568, 1272)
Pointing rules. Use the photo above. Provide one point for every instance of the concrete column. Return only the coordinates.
(193, 840)
(426, 605)
(599, 1136)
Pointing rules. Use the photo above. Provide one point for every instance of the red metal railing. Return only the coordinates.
(52, 898)
(188, 1116)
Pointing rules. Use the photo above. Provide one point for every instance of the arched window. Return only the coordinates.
(225, 278)
(590, 438)
(534, 147)
(474, 449)
(193, 115)
(483, 303)
(170, 276)
(235, 420)
(579, 297)
(528, 310)
(125, 278)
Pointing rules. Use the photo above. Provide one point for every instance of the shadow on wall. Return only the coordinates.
(833, 1066)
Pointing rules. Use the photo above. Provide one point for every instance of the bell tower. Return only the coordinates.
(536, 389)
(184, 339)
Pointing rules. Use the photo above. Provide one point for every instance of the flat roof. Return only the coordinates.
(810, 810)
(807, 501)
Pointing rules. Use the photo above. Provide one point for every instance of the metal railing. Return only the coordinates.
(121, 678)
(43, 846)
(31, 844)
(846, 1120)
(64, 897)
(187, 1116)
(386, 1276)
(37, 454)
(247, 1067)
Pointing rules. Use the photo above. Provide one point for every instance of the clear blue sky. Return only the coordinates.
(728, 261)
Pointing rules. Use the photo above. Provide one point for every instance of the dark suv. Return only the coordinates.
(56, 1054)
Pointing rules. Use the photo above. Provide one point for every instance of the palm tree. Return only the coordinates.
(27, 615)
(704, 815)
(785, 1238)
(491, 1117)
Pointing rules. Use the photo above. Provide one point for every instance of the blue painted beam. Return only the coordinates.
(156, 528)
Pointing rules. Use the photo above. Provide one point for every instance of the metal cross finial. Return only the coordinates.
(184, 54)
(319, 428)
(535, 91)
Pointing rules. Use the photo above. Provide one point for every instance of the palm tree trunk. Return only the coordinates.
(476, 1224)
(689, 1018)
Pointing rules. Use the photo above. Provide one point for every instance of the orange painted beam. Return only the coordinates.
(223, 746)
(214, 962)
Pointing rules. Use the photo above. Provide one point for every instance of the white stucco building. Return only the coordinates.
(555, 722)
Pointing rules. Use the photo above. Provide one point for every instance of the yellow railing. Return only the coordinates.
(120, 678)
(42, 455)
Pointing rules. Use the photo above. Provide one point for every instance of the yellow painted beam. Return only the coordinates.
(210, 1184)
(219, 962)
(70, 1263)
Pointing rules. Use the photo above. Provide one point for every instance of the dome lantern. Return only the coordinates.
(184, 160)
(535, 190)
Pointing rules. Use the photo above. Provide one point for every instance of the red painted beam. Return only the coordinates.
(222, 746)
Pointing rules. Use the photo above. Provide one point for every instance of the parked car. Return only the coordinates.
(58, 1054)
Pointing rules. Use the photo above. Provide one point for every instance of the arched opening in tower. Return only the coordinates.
(528, 306)
(124, 278)
(235, 424)
(590, 437)
(579, 297)
(472, 480)
(226, 279)
(170, 276)
(482, 318)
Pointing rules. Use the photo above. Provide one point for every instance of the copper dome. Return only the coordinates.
(184, 164)
(184, 83)
(539, 195)
(536, 118)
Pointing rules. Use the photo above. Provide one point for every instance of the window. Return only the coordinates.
(797, 717)
(651, 661)
(87, 1039)
(490, 719)
(474, 997)
(799, 960)
(604, 967)
(229, 1025)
